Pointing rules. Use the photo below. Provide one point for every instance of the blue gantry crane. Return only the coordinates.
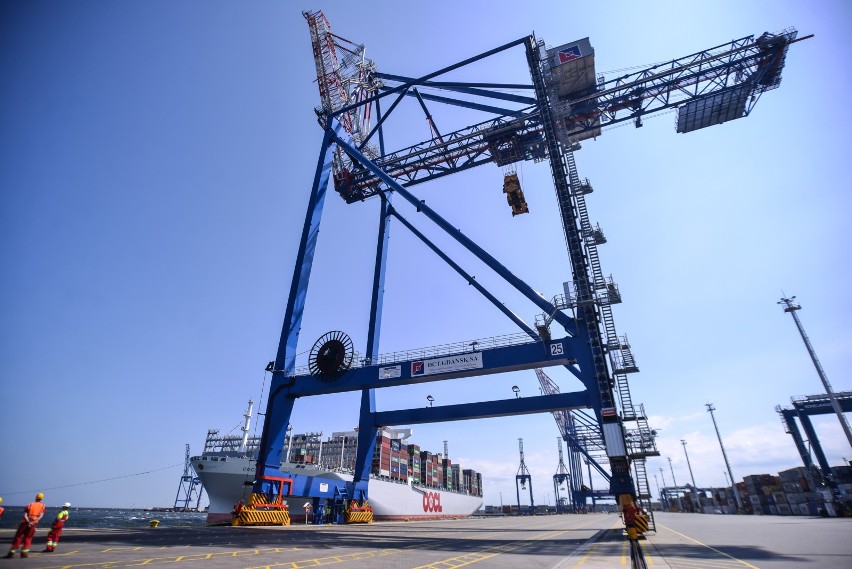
(803, 407)
(565, 103)
(189, 488)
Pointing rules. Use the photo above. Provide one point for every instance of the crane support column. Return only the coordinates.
(597, 374)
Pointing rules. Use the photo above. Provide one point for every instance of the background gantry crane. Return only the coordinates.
(803, 407)
(560, 481)
(189, 489)
(566, 102)
(523, 479)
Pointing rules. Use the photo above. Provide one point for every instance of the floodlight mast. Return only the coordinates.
(790, 305)
(710, 409)
(688, 464)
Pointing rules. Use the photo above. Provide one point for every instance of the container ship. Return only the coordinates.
(405, 481)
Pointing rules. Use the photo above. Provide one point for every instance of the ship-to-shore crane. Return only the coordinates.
(565, 103)
(523, 479)
(560, 480)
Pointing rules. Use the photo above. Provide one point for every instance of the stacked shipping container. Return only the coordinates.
(392, 458)
(764, 493)
(414, 463)
(447, 474)
(472, 482)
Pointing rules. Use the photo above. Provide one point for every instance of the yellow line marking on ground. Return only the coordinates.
(299, 564)
(476, 557)
(587, 546)
(330, 560)
(594, 544)
(176, 559)
(587, 555)
(366, 554)
(711, 548)
(140, 548)
(646, 551)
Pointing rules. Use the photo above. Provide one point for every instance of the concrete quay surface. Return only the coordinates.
(552, 542)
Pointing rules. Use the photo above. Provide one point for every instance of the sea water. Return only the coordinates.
(107, 518)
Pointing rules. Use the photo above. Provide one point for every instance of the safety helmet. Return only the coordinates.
(1, 500)
(40, 496)
(66, 505)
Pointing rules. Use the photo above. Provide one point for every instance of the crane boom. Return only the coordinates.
(346, 78)
(742, 70)
(707, 88)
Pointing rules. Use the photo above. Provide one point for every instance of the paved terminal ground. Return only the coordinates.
(550, 542)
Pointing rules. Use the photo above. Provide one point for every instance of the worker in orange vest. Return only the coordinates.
(2, 509)
(27, 528)
(56, 528)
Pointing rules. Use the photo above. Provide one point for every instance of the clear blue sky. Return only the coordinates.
(155, 165)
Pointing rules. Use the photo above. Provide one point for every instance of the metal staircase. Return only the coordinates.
(642, 444)
(622, 362)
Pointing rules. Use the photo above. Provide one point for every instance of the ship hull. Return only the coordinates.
(228, 480)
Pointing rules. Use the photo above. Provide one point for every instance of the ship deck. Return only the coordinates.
(552, 542)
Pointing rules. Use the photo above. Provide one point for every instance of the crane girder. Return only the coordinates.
(730, 76)
(454, 152)
(754, 64)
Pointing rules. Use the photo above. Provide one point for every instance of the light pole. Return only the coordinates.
(734, 490)
(501, 501)
(674, 480)
(659, 494)
(695, 497)
(683, 442)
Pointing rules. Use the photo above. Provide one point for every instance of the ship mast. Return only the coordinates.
(246, 427)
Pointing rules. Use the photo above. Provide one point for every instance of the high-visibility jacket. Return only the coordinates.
(60, 520)
(34, 511)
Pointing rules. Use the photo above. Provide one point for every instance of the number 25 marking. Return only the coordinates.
(555, 349)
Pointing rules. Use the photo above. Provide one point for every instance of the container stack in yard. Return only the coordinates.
(762, 491)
